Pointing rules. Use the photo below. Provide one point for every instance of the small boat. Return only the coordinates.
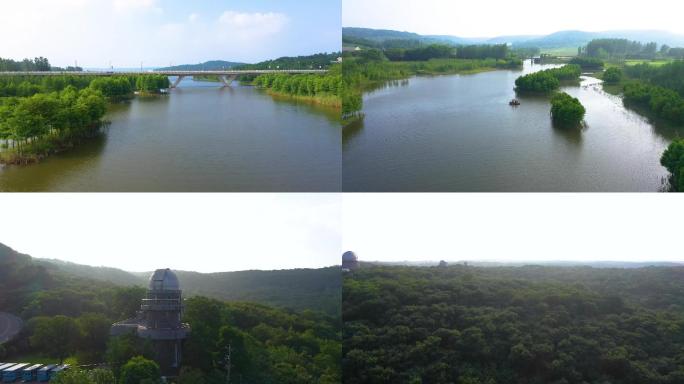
(514, 102)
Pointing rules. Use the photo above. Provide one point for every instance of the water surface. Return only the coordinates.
(201, 137)
(458, 133)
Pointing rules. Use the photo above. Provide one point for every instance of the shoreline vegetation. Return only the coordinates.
(325, 90)
(42, 116)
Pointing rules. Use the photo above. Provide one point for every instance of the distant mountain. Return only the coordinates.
(298, 289)
(549, 263)
(214, 65)
(560, 39)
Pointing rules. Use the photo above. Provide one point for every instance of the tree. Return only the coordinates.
(673, 160)
(57, 336)
(612, 75)
(94, 335)
(74, 376)
(566, 110)
(138, 369)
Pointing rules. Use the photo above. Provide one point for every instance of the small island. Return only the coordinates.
(566, 111)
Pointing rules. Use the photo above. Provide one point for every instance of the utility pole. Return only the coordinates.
(226, 361)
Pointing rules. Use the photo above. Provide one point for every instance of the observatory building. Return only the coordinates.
(349, 261)
(159, 321)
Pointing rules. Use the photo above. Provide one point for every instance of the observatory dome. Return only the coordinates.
(164, 280)
(349, 256)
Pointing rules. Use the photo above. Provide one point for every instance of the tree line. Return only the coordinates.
(443, 51)
(559, 325)
(326, 89)
(38, 64)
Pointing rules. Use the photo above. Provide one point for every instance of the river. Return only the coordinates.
(458, 133)
(200, 137)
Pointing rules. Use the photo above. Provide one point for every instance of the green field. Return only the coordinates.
(656, 63)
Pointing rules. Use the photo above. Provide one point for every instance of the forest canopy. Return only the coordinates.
(532, 324)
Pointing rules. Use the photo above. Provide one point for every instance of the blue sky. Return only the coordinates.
(161, 32)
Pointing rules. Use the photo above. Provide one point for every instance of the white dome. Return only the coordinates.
(164, 280)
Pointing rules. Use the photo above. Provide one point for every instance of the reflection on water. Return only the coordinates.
(201, 137)
(458, 133)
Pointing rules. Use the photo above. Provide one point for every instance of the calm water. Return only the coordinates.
(458, 133)
(199, 138)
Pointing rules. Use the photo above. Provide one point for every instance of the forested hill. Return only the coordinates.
(298, 289)
(213, 65)
(464, 324)
(560, 39)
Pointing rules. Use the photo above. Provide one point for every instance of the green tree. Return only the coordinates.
(673, 160)
(138, 369)
(56, 336)
(73, 376)
(612, 75)
(566, 110)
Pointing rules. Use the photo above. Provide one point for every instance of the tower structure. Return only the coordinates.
(159, 321)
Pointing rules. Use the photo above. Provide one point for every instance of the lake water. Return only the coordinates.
(201, 137)
(458, 133)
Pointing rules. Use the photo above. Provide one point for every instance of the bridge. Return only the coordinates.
(226, 76)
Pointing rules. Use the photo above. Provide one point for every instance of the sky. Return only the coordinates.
(513, 227)
(194, 232)
(504, 17)
(125, 33)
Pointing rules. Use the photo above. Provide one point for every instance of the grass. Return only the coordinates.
(564, 51)
(655, 63)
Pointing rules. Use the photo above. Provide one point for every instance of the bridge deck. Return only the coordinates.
(171, 73)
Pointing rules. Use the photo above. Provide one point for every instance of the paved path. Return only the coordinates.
(10, 325)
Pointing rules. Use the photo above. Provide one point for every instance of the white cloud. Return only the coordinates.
(136, 5)
(193, 17)
(254, 25)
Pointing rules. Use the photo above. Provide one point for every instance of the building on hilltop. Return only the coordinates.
(159, 321)
(349, 261)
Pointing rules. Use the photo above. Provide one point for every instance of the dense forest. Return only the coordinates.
(533, 324)
(295, 289)
(68, 318)
(39, 64)
(566, 111)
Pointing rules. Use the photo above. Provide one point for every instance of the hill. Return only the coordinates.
(213, 65)
(556, 40)
(297, 289)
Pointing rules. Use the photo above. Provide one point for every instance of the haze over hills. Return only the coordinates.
(298, 289)
(560, 39)
(545, 263)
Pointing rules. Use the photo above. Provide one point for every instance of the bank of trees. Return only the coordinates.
(620, 49)
(39, 64)
(513, 325)
(566, 111)
(659, 101)
(443, 51)
(547, 80)
(38, 125)
(326, 89)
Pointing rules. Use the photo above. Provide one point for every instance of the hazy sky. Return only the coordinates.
(160, 32)
(513, 227)
(505, 17)
(143, 232)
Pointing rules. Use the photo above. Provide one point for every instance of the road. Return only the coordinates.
(10, 325)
